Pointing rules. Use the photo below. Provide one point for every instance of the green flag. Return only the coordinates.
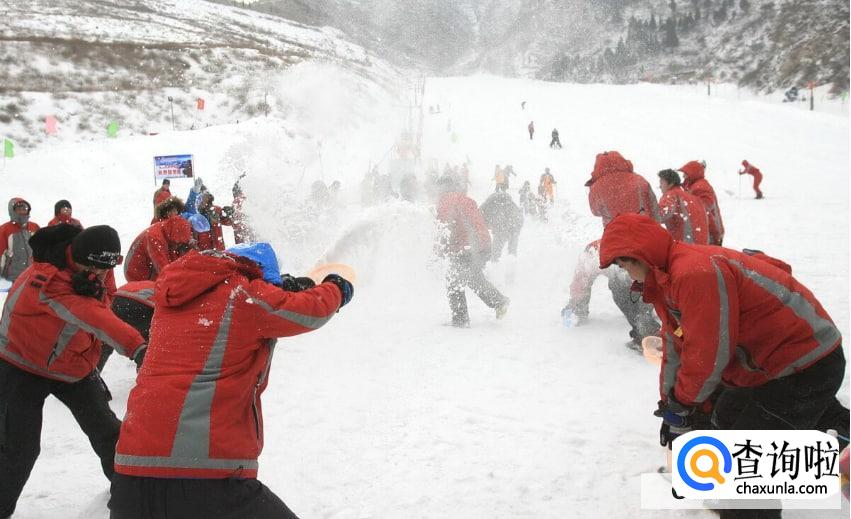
(112, 129)
(8, 149)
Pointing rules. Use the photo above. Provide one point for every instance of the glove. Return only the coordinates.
(87, 284)
(198, 185)
(294, 284)
(346, 288)
(678, 419)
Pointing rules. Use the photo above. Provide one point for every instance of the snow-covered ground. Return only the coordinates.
(385, 413)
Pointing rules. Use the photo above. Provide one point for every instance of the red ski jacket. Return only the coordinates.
(727, 317)
(465, 224)
(195, 411)
(49, 330)
(682, 214)
(15, 252)
(752, 170)
(156, 247)
(214, 238)
(161, 195)
(64, 219)
(616, 189)
(696, 184)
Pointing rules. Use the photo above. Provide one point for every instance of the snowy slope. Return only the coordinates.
(384, 413)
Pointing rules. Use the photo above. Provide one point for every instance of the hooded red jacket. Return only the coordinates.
(616, 189)
(195, 411)
(49, 330)
(155, 248)
(682, 214)
(696, 184)
(727, 317)
(465, 224)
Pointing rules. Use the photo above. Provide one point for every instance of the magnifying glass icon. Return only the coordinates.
(713, 471)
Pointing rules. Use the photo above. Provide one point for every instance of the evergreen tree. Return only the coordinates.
(670, 39)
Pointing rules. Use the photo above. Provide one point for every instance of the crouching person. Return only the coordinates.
(53, 323)
(194, 426)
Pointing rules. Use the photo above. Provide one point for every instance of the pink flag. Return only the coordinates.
(50, 125)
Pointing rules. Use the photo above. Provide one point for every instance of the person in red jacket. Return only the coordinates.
(161, 194)
(753, 171)
(695, 183)
(54, 321)
(616, 189)
(156, 247)
(730, 320)
(15, 251)
(62, 214)
(171, 206)
(680, 211)
(467, 244)
(194, 425)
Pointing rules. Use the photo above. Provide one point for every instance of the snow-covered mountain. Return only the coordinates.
(90, 62)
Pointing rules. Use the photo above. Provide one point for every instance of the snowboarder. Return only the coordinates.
(62, 214)
(53, 323)
(531, 129)
(555, 140)
(504, 219)
(616, 189)
(15, 251)
(467, 245)
(696, 183)
(752, 170)
(731, 317)
(156, 247)
(163, 192)
(546, 186)
(193, 431)
(680, 211)
(639, 315)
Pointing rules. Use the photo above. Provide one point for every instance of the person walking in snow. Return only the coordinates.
(680, 211)
(555, 140)
(62, 214)
(753, 171)
(617, 189)
(190, 441)
(531, 129)
(54, 321)
(504, 220)
(696, 184)
(546, 186)
(735, 319)
(467, 244)
(15, 251)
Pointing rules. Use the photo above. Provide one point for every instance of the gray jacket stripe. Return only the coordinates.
(68, 317)
(178, 462)
(65, 336)
(192, 439)
(145, 294)
(722, 354)
(306, 321)
(824, 331)
(672, 365)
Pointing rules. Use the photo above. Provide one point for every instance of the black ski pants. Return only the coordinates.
(22, 397)
(160, 498)
(465, 270)
(500, 239)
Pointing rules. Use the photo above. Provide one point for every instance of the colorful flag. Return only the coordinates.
(112, 129)
(199, 104)
(8, 149)
(50, 125)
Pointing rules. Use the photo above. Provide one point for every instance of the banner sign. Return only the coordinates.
(173, 166)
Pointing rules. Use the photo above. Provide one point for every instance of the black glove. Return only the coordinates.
(346, 288)
(86, 283)
(294, 284)
(227, 211)
(678, 419)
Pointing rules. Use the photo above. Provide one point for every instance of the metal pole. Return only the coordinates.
(171, 102)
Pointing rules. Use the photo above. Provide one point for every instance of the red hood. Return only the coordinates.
(177, 229)
(694, 170)
(609, 162)
(195, 273)
(635, 236)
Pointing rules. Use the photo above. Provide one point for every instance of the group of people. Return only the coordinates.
(555, 142)
(199, 320)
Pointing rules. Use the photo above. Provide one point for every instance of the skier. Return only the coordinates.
(555, 140)
(200, 201)
(733, 319)
(546, 186)
(752, 170)
(53, 324)
(616, 189)
(163, 192)
(62, 214)
(467, 244)
(531, 128)
(156, 247)
(193, 431)
(15, 251)
(639, 315)
(680, 211)
(504, 219)
(696, 183)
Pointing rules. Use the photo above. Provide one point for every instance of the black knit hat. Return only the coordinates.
(59, 205)
(98, 247)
